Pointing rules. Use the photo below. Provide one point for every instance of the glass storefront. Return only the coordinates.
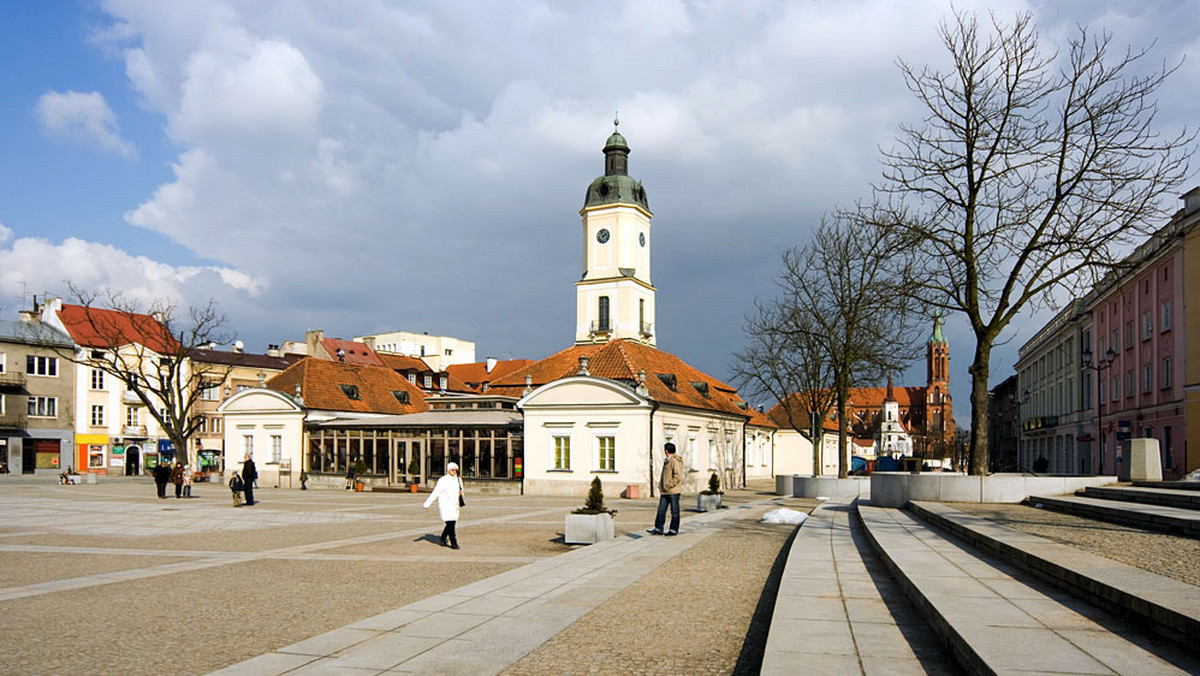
(483, 453)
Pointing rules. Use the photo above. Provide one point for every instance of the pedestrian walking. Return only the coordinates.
(162, 474)
(448, 491)
(669, 486)
(236, 485)
(249, 476)
(177, 478)
(187, 481)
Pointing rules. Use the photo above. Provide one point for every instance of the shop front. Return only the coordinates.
(92, 452)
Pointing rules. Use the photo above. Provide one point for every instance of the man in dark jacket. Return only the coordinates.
(162, 474)
(249, 474)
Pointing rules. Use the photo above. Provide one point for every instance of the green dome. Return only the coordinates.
(616, 141)
(616, 188)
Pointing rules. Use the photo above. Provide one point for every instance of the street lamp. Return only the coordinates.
(1109, 357)
(1021, 426)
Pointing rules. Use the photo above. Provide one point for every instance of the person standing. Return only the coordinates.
(187, 481)
(249, 475)
(236, 486)
(669, 485)
(448, 491)
(162, 474)
(177, 478)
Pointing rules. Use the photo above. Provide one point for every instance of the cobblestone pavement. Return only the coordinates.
(189, 586)
(1169, 555)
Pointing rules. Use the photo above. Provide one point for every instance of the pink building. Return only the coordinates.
(1138, 341)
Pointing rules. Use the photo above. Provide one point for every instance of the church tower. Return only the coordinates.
(614, 297)
(939, 417)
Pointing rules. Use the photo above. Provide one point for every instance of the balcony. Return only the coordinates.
(647, 329)
(11, 379)
(13, 420)
(133, 431)
(600, 327)
(130, 397)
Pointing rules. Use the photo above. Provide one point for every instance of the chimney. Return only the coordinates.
(299, 398)
(272, 350)
(312, 342)
(583, 364)
(528, 384)
(491, 364)
(1191, 201)
(369, 341)
(641, 386)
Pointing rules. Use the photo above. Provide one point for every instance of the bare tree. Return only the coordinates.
(1030, 173)
(786, 362)
(148, 350)
(840, 297)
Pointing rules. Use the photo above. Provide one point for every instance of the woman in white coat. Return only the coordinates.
(448, 492)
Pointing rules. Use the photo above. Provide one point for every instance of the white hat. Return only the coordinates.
(453, 465)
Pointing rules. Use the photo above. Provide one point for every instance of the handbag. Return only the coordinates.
(461, 501)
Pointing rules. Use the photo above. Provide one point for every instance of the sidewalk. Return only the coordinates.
(470, 630)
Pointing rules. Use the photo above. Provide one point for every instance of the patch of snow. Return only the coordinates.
(785, 516)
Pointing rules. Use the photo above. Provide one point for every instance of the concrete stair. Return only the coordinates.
(1166, 497)
(1000, 619)
(1138, 514)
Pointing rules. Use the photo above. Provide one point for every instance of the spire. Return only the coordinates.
(890, 395)
(616, 152)
(616, 185)
(937, 336)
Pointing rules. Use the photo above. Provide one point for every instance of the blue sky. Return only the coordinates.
(369, 166)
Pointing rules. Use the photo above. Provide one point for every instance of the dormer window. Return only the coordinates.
(668, 379)
(401, 397)
(412, 378)
(351, 392)
(442, 382)
(702, 388)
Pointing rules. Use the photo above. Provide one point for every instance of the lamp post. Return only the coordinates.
(1024, 399)
(1109, 357)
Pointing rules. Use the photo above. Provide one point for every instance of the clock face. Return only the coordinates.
(602, 235)
(642, 238)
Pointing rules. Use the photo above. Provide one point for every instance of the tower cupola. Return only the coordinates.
(616, 185)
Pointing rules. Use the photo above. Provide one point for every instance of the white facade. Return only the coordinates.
(268, 425)
(615, 298)
(437, 351)
(580, 427)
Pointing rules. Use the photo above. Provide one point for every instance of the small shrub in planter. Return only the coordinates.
(710, 499)
(593, 522)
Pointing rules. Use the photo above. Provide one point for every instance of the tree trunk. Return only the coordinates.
(978, 463)
(843, 451)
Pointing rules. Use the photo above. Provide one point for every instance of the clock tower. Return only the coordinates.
(614, 297)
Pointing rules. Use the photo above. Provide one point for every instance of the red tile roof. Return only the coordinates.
(353, 352)
(476, 374)
(321, 384)
(622, 360)
(401, 363)
(108, 329)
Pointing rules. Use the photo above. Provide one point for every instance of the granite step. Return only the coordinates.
(998, 619)
(838, 611)
(1161, 604)
(1166, 497)
(1157, 517)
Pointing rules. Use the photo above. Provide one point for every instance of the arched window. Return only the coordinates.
(604, 316)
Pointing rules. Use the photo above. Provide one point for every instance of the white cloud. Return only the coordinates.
(82, 118)
(5, 233)
(33, 263)
(255, 91)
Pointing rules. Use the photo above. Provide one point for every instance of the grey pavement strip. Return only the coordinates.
(213, 560)
(837, 611)
(470, 629)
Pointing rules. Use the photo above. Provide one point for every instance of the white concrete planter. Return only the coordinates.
(705, 503)
(587, 529)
